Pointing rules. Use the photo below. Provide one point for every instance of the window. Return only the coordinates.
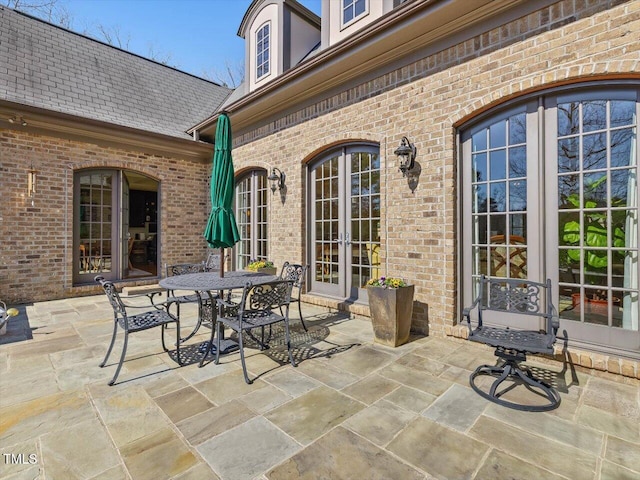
(251, 217)
(262, 51)
(352, 9)
(551, 191)
(115, 229)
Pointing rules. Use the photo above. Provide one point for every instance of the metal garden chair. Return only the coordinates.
(256, 310)
(177, 300)
(296, 274)
(156, 315)
(513, 299)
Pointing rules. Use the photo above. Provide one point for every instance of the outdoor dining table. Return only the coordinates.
(207, 282)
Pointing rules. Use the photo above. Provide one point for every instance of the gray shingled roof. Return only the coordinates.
(46, 66)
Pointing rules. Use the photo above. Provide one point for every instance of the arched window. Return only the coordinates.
(550, 190)
(251, 217)
(263, 44)
(115, 225)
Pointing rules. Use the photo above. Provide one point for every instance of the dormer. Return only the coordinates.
(342, 18)
(278, 34)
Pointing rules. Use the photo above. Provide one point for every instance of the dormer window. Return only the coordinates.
(262, 50)
(352, 9)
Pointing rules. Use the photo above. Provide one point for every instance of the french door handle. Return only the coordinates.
(347, 240)
(340, 239)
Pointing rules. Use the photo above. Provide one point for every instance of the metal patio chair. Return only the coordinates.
(256, 311)
(514, 300)
(297, 274)
(156, 315)
(177, 300)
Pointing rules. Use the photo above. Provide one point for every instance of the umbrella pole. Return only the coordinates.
(221, 262)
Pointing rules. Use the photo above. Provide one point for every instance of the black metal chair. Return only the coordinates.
(513, 299)
(177, 300)
(212, 263)
(157, 316)
(297, 274)
(256, 311)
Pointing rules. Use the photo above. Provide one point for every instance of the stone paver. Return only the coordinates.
(352, 408)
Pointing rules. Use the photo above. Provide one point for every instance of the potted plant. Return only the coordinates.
(595, 241)
(262, 266)
(391, 308)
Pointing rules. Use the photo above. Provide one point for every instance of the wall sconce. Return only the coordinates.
(277, 179)
(14, 119)
(32, 178)
(406, 153)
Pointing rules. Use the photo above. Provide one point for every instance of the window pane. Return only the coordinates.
(623, 112)
(568, 151)
(498, 165)
(568, 119)
(479, 163)
(622, 142)
(498, 198)
(594, 116)
(360, 7)
(518, 162)
(517, 129)
(594, 151)
(480, 200)
(479, 141)
(518, 195)
(595, 190)
(498, 134)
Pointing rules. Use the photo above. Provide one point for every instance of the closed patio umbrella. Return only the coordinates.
(222, 230)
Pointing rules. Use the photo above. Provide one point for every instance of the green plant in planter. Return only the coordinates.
(256, 265)
(594, 232)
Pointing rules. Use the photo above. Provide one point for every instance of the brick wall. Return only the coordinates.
(571, 41)
(36, 241)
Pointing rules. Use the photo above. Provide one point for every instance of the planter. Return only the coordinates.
(266, 270)
(594, 306)
(391, 310)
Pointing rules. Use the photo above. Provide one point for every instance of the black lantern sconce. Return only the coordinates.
(277, 179)
(406, 153)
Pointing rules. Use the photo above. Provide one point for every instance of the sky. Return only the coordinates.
(196, 36)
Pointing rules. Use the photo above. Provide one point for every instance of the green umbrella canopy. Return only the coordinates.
(222, 230)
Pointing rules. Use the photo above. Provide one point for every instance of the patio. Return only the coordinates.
(351, 409)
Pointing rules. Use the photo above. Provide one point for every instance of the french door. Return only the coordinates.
(251, 216)
(114, 232)
(550, 191)
(345, 221)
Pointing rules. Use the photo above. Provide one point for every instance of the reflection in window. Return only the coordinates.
(499, 183)
(598, 212)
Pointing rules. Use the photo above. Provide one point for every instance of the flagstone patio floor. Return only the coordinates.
(352, 409)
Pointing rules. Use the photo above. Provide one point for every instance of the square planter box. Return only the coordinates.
(391, 310)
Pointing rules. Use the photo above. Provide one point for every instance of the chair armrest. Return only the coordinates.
(466, 313)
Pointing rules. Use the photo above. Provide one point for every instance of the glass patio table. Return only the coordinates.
(207, 282)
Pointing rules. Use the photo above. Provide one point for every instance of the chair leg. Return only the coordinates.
(122, 355)
(113, 340)
(244, 366)
(210, 344)
(177, 342)
(301, 319)
(288, 339)
(217, 360)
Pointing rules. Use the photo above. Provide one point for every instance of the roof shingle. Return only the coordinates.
(49, 67)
